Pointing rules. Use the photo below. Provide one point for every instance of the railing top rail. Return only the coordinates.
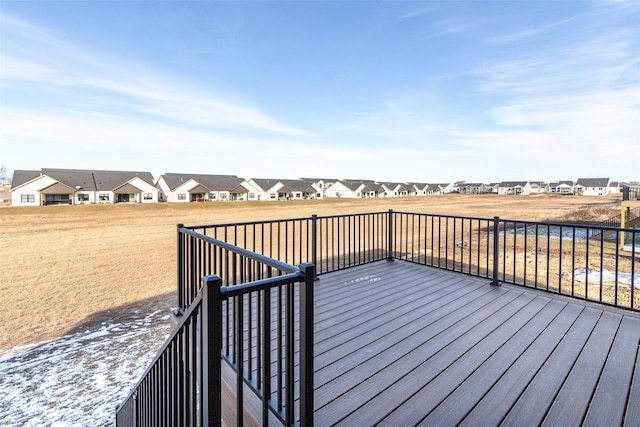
(238, 224)
(275, 221)
(259, 285)
(569, 224)
(353, 214)
(243, 252)
(444, 216)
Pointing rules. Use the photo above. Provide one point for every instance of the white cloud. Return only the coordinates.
(48, 61)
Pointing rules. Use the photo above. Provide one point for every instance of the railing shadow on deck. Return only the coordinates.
(238, 271)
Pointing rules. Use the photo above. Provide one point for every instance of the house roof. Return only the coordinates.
(559, 183)
(296, 184)
(265, 183)
(512, 183)
(211, 182)
(112, 180)
(593, 182)
(79, 179)
(75, 178)
(21, 177)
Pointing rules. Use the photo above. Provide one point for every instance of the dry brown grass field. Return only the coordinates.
(65, 265)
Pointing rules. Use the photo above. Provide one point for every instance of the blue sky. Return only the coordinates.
(390, 90)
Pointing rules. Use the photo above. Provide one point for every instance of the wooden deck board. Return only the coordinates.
(401, 344)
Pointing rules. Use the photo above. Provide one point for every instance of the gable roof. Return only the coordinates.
(512, 183)
(295, 184)
(21, 177)
(211, 182)
(112, 180)
(593, 182)
(265, 183)
(81, 179)
(559, 183)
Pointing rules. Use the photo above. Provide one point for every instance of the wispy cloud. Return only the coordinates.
(576, 99)
(35, 56)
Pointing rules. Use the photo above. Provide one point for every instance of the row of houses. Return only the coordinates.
(70, 186)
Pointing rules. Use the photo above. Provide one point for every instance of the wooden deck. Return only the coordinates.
(400, 344)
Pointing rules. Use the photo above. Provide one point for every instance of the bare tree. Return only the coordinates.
(5, 178)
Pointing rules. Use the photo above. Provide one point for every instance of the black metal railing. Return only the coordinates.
(559, 258)
(630, 193)
(262, 332)
(182, 386)
(259, 306)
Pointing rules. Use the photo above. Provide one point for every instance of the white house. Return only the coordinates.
(179, 187)
(320, 185)
(512, 187)
(561, 187)
(266, 189)
(592, 186)
(73, 187)
(348, 188)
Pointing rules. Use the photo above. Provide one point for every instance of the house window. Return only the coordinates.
(182, 196)
(272, 196)
(27, 198)
(252, 196)
(147, 196)
(212, 196)
(103, 197)
(223, 196)
(83, 197)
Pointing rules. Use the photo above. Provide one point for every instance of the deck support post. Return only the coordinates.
(211, 346)
(496, 251)
(306, 345)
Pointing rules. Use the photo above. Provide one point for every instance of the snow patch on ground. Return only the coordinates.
(78, 379)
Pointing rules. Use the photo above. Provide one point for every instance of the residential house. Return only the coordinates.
(320, 185)
(179, 187)
(418, 189)
(473, 188)
(297, 189)
(286, 189)
(73, 187)
(536, 187)
(351, 189)
(561, 187)
(493, 187)
(511, 187)
(393, 189)
(614, 187)
(592, 186)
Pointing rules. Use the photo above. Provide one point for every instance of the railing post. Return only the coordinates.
(496, 250)
(390, 236)
(211, 347)
(306, 345)
(180, 268)
(314, 240)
